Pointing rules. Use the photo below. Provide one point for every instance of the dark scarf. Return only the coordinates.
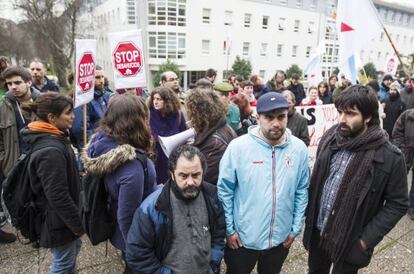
(363, 147)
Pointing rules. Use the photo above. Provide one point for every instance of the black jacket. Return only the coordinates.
(403, 136)
(392, 109)
(212, 143)
(55, 180)
(298, 125)
(151, 231)
(299, 92)
(382, 203)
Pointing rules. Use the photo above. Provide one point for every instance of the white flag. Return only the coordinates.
(84, 71)
(127, 59)
(314, 68)
(350, 69)
(357, 23)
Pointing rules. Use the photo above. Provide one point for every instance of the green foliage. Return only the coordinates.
(336, 71)
(293, 69)
(370, 70)
(242, 67)
(167, 66)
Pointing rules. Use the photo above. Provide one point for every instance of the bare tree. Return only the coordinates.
(53, 23)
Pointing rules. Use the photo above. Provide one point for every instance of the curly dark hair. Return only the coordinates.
(171, 101)
(204, 109)
(127, 122)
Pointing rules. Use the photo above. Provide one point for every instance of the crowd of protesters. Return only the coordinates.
(239, 189)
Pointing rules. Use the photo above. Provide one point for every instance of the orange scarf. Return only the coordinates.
(39, 126)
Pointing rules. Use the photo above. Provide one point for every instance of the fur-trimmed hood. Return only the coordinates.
(102, 155)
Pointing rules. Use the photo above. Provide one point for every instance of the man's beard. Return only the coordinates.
(187, 193)
(350, 133)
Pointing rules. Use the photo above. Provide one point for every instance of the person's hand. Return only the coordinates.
(363, 245)
(288, 242)
(234, 241)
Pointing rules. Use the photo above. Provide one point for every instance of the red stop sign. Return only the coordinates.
(86, 72)
(127, 59)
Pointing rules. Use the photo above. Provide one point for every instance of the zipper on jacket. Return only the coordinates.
(273, 196)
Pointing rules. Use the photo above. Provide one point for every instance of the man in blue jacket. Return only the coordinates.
(263, 186)
(179, 228)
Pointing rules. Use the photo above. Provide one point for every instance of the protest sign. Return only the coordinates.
(320, 119)
(127, 59)
(84, 71)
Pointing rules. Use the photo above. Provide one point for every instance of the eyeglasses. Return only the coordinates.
(173, 79)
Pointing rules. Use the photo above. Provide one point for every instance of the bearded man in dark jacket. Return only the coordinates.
(179, 228)
(358, 188)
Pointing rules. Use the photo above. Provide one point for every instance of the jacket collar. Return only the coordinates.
(253, 131)
(163, 204)
(202, 137)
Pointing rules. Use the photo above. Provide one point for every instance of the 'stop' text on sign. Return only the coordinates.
(127, 59)
(86, 72)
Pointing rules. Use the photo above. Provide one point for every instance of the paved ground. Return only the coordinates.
(395, 254)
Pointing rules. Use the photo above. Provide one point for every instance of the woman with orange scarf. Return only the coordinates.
(55, 179)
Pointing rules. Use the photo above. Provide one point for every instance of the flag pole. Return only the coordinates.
(84, 135)
(395, 51)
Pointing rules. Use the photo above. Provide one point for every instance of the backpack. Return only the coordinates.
(96, 205)
(19, 197)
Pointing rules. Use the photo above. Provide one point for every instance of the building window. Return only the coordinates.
(379, 55)
(400, 18)
(206, 16)
(411, 40)
(205, 46)
(228, 18)
(294, 51)
(311, 27)
(397, 39)
(282, 23)
(167, 12)
(279, 50)
(130, 12)
(382, 37)
(166, 45)
(308, 51)
(299, 3)
(263, 49)
(296, 26)
(405, 39)
(265, 22)
(407, 19)
(226, 47)
(314, 3)
(247, 20)
(392, 15)
(262, 73)
(283, 2)
(246, 46)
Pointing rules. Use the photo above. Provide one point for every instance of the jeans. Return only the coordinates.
(64, 258)
(243, 260)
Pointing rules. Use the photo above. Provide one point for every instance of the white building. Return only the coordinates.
(272, 34)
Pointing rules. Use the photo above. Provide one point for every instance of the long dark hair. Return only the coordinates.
(126, 121)
(171, 101)
(48, 103)
(325, 84)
